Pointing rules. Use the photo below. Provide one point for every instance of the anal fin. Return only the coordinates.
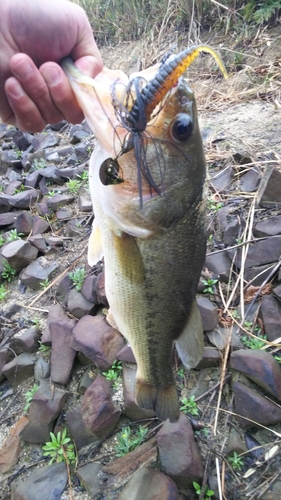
(190, 344)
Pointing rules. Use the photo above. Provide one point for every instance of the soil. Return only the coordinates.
(245, 111)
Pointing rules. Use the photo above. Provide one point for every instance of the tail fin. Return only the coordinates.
(163, 400)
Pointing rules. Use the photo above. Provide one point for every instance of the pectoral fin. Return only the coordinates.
(95, 249)
(129, 258)
(191, 342)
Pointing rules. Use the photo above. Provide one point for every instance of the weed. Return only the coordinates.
(236, 461)
(18, 153)
(214, 206)
(44, 348)
(278, 358)
(2, 241)
(114, 372)
(126, 442)
(8, 272)
(261, 11)
(73, 186)
(29, 396)
(13, 235)
(254, 343)
(44, 284)
(38, 164)
(84, 176)
(189, 406)
(77, 277)
(209, 285)
(20, 189)
(60, 448)
(3, 292)
(180, 372)
(53, 192)
(207, 493)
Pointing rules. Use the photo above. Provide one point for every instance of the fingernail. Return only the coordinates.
(51, 75)
(23, 70)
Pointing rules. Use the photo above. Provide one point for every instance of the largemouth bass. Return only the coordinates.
(147, 182)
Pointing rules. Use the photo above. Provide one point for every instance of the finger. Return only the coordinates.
(35, 87)
(24, 113)
(61, 92)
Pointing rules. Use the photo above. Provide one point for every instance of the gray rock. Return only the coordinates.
(86, 381)
(62, 355)
(258, 274)
(268, 227)
(8, 218)
(259, 366)
(44, 409)
(271, 315)
(32, 179)
(41, 369)
(254, 407)
(56, 314)
(77, 133)
(209, 313)
(85, 205)
(250, 181)
(126, 354)
(89, 289)
(24, 199)
(78, 305)
(149, 484)
(98, 411)
(29, 338)
(13, 186)
(43, 210)
(222, 180)
(178, 452)
(220, 264)
(81, 435)
(19, 254)
(270, 189)
(219, 337)
(88, 476)
(22, 140)
(211, 357)
(59, 200)
(7, 159)
(95, 338)
(64, 287)
(131, 409)
(261, 252)
(232, 232)
(45, 140)
(277, 292)
(37, 272)
(100, 289)
(24, 223)
(39, 225)
(47, 483)
(53, 156)
(39, 242)
(20, 368)
(50, 172)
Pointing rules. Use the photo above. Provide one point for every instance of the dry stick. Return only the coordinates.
(58, 278)
(252, 240)
(248, 234)
(68, 473)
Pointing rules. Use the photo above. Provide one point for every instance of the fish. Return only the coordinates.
(148, 184)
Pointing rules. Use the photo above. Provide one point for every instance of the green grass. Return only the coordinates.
(13, 235)
(189, 405)
(236, 461)
(77, 277)
(29, 396)
(3, 292)
(126, 441)
(114, 372)
(8, 272)
(60, 448)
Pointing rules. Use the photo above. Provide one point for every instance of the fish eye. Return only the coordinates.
(182, 128)
(109, 172)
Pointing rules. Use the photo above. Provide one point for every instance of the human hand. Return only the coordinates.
(34, 36)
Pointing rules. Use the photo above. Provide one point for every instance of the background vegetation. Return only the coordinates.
(116, 20)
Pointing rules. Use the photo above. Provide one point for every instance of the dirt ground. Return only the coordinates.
(246, 111)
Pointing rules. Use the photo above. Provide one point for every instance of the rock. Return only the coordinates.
(19, 254)
(219, 337)
(32, 179)
(59, 200)
(98, 411)
(20, 368)
(81, 151)
(39, 242)
(62, 354)
(77, 133)
(43, 210)
(126, 354)
(13, 186)
(259, 366)
(209, 313)
(222, 180)
(235, 443)
(88, 476)
(3, 361)
(41, 369)
(7, 159)
(85, 205)
(220, 264)
(268, 227)
(56, 314)
(64, 288)
(29, 338)
(59, 126)
(39, 225)
(250, 181)
(100, 289)
(47, 483)
(259, 253)
(11, 448)
(97, 340)
(254, 407)
(50, 172)
(277, 292)
(24, 223)
(258, 274)
(45, 140)
(232, 232)
(270, 189)
(8, 218)
(37, 272)
(178, 452)
(78, 305)
(24, 199)
(63, 214)
(151, 485)
(89, 289)
(211, 357)
(86, 381)
(44, 409)
(271, 315)
(81, 435)
(131, 409)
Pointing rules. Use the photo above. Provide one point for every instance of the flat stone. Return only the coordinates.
(43, 210)
(59, 200)
(89, 289)
(270, 189)
(178, 452)
(19, 254)
(277, 292)
(88, 476)
(24, 223)
(271, 315)
(232, 232)
(39, 242)
(45, 140)
(24, 199)
(30, 338)
(81, 435)
(219, 337)
(8, 218)
(98, 411)
(254, 407)
(259, 253)
(149, 484)
(78, 305)
(220, 264)
(39, 225)
(56, 314)
(41, 369)
(258, 274)
(259, 366)
(47, 483)
(44, 409)
(209, 313)
(126, 354)
(268, 227)
(222, 180)
(249, 182)
(131, 409)
(62, 354)
(211, 357)
(37, 272)
(100, 289)
(20, 368)
(77, 133)
(11, 448)
(85, 205)
(95, 338)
